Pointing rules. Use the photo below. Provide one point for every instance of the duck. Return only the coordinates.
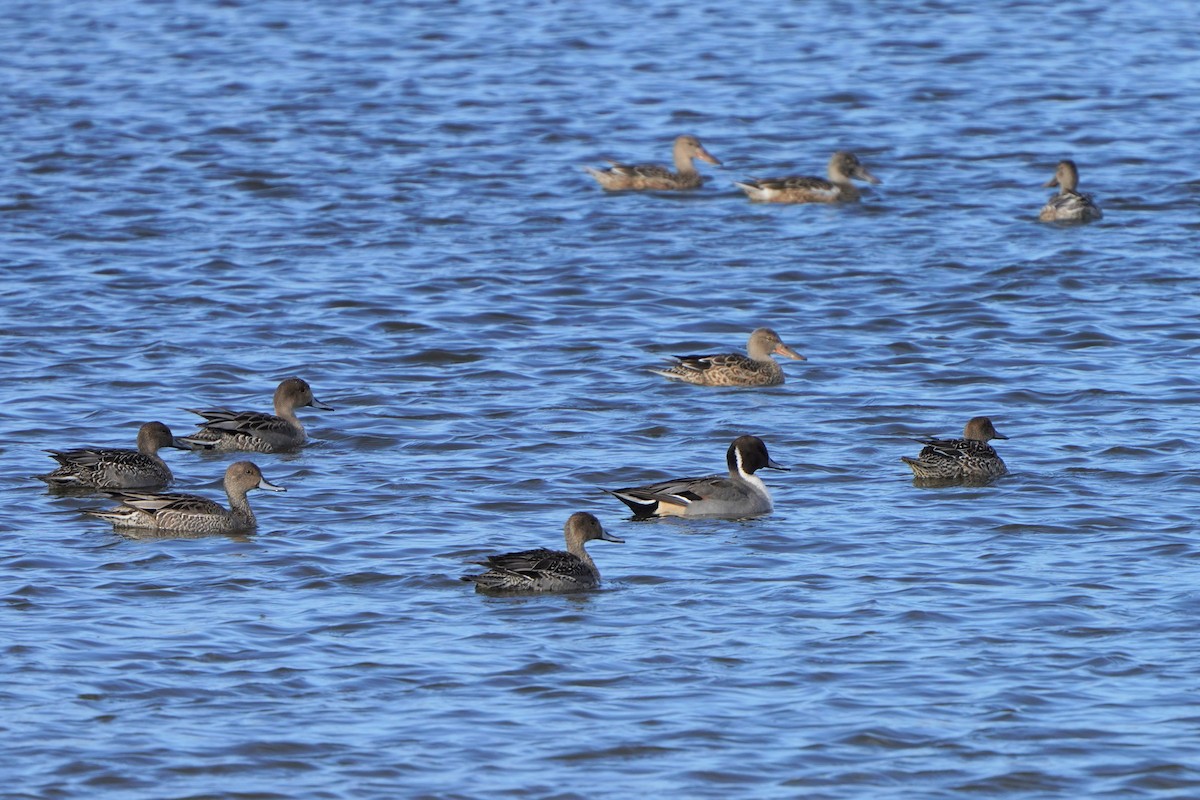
(224, 430)
(188, 512)
(1069, 205)
(653, 177)
(541, 571)
(115, 468)
(838, 189)
(757, 368)
(969, 459)
(742, 494)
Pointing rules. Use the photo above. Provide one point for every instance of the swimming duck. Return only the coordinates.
(1069, 205)
(652, 177)
(838, 189)
(533, 571)
(742, 494)
(970, 458)
(113, 468)
(189, 512)
(257, 432)
(735, 369)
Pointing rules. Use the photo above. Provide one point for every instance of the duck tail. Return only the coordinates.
(640, 506)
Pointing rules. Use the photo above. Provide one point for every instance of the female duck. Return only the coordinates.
(652, 177)
(1069, 205)
(112, 468)
(742, 494)
(190, 513)
(535, 571)
(257, 432)
(838, 189)
(757, 368)
(969, 459)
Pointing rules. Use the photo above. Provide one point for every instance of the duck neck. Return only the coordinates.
(683, 163)
(758, 352)
(289, 414)
(841, 180)
(239, 508)
(577, 550)
(739, 474)
(757, 484)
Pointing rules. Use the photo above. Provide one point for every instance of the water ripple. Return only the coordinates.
(388, 200)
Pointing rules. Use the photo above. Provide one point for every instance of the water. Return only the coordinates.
(198, 200)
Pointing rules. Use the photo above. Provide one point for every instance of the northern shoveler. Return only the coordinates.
(757, 368)
(838, 189)
(652, 177)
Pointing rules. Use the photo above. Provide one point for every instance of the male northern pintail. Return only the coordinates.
(112, 468)
(838, 189)
(542, 570)
(621, 177)
(189, 512)
(734, 369)
(1069, 205)
(742, 494)
(257, 432)
(970, 458)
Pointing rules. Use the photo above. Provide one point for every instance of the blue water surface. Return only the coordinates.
(200, 199)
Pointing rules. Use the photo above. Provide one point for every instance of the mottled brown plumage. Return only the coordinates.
(757, 368)
(1069, 205)
(188, 512)
(969, 459)
(112, 468)
(653, 177)
(254, 431)
(843, 167)
(542, 570)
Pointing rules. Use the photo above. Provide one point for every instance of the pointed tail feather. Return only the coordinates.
(640, 506)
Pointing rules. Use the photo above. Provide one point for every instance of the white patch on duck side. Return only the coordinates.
(752, 191)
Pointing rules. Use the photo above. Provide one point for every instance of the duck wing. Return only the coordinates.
(641, 170)
(718, 360)
(249, 422)
(153, 503)
(679, 493)
(954, 449)
(532, 563)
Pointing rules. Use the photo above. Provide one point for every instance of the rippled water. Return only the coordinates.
(198, 200)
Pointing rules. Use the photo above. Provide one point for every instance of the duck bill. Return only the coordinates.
(704, 155)
(1052, 182)
(862, 173)
(784, 350)
(270, 487)
(318, 404)
(998, 435)
(608, 537)
(773, 464)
